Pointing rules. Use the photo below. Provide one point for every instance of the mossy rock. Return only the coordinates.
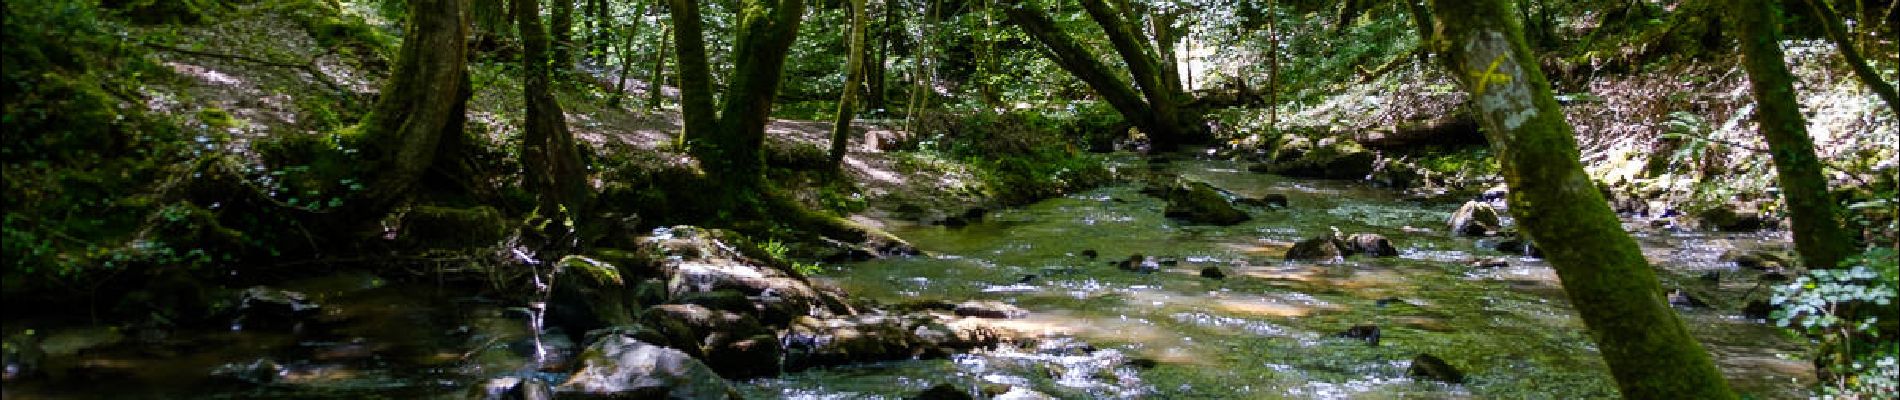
(1330, 158)
(1201, 203)
(450, 227)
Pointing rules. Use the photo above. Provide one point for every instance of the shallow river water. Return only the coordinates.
(1265, 331)
(1268, 329)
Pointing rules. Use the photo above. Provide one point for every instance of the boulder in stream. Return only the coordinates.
(619, 366)
(1201, 203)
(1328, 158)
(943, 391)
(1370, 243)
(1318, 248)
(1427, 366)
(1364, 332)
(264, 307)
(1475, 218)
(990, 309)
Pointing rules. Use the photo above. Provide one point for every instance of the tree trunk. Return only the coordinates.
(695, 77)
(854, 76)
(736, 153)
(874, 90)
(600, 30)
(1837, 32)
(1273, 72)
(418, 117)
(1604, 274)
(1157, 113)
(561, 27)
(550, 161)
(656, 83)
(730, 145)
(1166, 33)
(1818, 235)
(626, 56)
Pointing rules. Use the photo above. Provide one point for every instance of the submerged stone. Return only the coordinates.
(943, 391)
(1373, 244)
(618, 366)
(990, 309)
(1318, 248)
(1430, 367)
(1364, 332)
(1201, 203)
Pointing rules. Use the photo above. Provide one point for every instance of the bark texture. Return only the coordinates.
(730, 144)
(1605, 277)
(1837, 32)
(419, 115)
(854, 77)
(1818, 235)
(1156, 109)
(551, 166)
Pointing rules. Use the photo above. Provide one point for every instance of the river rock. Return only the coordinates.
(1488, 263)
(263, 307)
(1328, 158)
(734, 344)
(1364, 332)
(695, 260)
(1270, 200)
(1427, 366)
(260, 371)
(513, 388)
(943, 391)
(990, 309)
(1213, 272)
(1475, 219)
(1368, 243)
(1727, 218)
(811, 342)
(1519, 246)
(619, 366)
(1760, 260)
(1318, 248)
(1200, 203)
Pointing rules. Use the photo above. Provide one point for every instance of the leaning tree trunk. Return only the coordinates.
(1837, 32)
(854, 76)
(1818, 235)
(418, 118)
(1153, 110)
(551, 166)
(1604, 274)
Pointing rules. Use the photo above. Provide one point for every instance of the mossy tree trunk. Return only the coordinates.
(854, 77)
(1837, 32)
(561, 28)
(730, 145)
(551, 165)
(1150, 104)
(626, 55)
(419, 115)
(1818, 234)
(656, 82)
(874, 74)
(1604, 274)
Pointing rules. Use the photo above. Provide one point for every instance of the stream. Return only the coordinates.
(1267, 330)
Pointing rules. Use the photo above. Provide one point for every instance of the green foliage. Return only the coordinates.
(1818, 303)
(164, 11)
(779, 251)
(1020, 156)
